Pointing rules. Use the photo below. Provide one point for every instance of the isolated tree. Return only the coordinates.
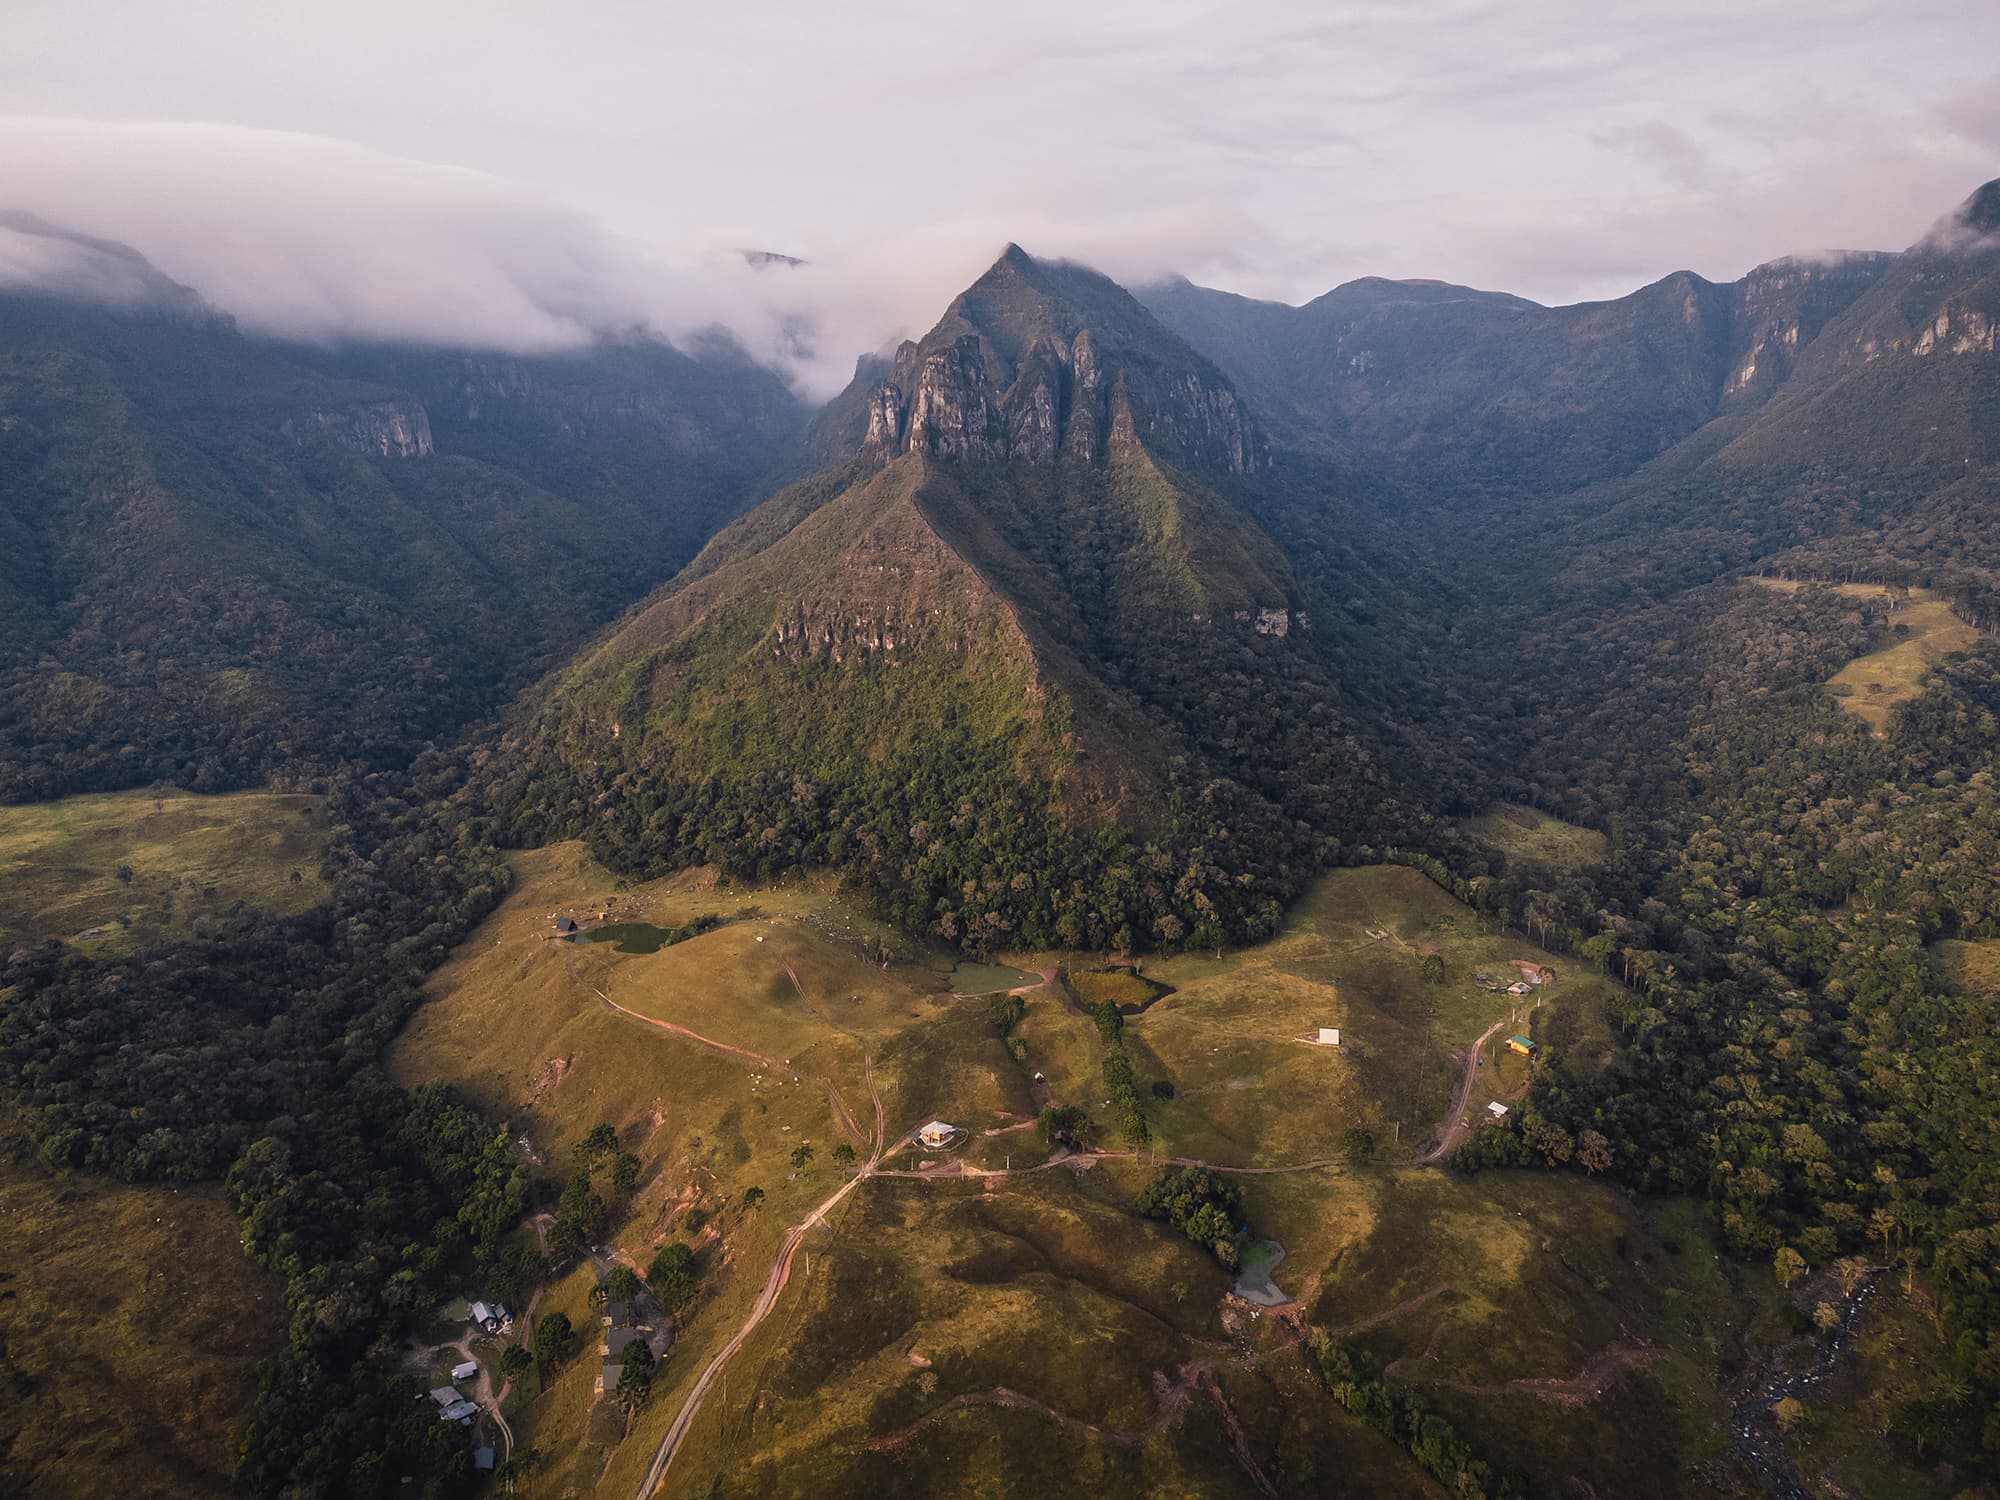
(625, 1171)
(1360, 1143)
(1062, 1124)
(843, 1155)
(515, 1361)
(752, 1196)
(622, 1285)
(1593, 1151)
(601, 1140)
(1434, 970)
(802, 1153)
(672, 1275)
(555, 1341)
(635, 1374)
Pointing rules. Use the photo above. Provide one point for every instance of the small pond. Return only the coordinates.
(627, 937)
(989, 979)
(1253, 1281)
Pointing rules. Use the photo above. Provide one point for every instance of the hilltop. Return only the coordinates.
(987, 658)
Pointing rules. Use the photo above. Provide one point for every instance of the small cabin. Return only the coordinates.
(1497, 1110)
(937, 1135)
(1329, 1036)
(1521, 1045)
(467, 1371)
(565, 926)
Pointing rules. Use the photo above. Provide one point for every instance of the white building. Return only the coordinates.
(1329, 1036)
(937, 1135)
(1497, 1110)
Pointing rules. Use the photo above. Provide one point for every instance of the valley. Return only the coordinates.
(781, 1027)
(1164, 894)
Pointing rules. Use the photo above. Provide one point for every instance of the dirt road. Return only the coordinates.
(1455, 1127)
(774, 1286)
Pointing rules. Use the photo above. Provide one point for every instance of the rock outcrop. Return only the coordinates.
(959, 396)
(380, 429)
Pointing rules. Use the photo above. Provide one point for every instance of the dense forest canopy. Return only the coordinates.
(1060, 652)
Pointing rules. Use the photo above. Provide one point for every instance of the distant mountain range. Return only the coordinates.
(1086, 557)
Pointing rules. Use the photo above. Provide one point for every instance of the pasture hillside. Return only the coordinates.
(131, 1328)
(114, 872)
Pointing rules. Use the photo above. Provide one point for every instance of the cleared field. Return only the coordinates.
(131, 1326)
(1529, 835)
(1975, 965)
(769, 1056)
(183, 859)
(1032, 1338)
(1251, 1087)
(1923, 632)
(1009, 1333)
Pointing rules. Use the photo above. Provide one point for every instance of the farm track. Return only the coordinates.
(1455, 1127)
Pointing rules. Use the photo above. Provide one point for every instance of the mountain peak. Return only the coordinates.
(45, 259)
(1042, 360)
(1972, 227)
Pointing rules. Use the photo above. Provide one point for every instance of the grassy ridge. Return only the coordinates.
(189, 858)
(920, 1300)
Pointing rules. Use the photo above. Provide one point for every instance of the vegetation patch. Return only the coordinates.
(1125, 988)
(131, 1330)
(1529, 835)
(1920, 629)
(112, 873)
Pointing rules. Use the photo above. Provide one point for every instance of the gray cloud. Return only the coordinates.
(532, 175)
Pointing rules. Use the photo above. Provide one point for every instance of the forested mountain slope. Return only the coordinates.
(228, 559)
(1484, 393)
(1017, 663)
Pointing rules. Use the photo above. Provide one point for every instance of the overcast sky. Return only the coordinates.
(517, 172)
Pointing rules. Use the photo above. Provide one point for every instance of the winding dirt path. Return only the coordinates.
(1455, 1127)
(774, 1286)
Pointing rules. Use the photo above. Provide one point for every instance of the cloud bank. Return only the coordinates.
(303, 238)
(610, 165)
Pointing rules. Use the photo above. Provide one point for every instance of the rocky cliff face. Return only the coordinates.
(960, 403)
(380, 429)
(1779, 309)
(1038, 363)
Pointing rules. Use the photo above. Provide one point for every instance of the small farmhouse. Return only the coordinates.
(1521, 1045)
(467, 1371)
(937, 1135)
(565, 925)
(460, 1410)
(446, 1395)
(1497, 1110)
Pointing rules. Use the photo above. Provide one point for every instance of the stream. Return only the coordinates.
(1753, 1423)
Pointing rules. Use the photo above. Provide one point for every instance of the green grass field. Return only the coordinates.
(1923, 632)
(1000, 1328)
(1252, 1088)
(1529, 835)
(188, 858)
(131, 1326)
